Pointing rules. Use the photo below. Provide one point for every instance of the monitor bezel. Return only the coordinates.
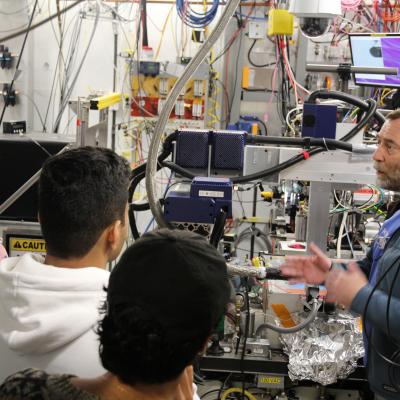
(372, 34)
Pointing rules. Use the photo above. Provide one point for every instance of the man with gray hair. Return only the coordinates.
(370, 287)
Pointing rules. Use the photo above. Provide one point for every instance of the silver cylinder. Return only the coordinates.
(300, 230)
(353, 69)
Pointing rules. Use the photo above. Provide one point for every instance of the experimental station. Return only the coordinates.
(251, 123)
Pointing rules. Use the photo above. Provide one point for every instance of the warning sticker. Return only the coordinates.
(20, 246)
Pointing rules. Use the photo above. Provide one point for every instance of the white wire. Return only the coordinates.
(356, 24)
(340, 235)
(70, 89)
(339, 201)
(300, 107)
(348, 238)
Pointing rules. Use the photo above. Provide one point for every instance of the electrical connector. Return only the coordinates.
(280, 22)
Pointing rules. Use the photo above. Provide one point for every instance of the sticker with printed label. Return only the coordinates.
(210, 193)
(19, 246)
(271, 381)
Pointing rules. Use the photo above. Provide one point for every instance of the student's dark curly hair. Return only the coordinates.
(81, 193)
(165, 296)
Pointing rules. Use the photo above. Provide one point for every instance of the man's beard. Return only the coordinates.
(389, 181)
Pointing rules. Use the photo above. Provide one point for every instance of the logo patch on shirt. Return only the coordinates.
(382, 238)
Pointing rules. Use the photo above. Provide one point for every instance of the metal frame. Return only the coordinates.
(230, 362)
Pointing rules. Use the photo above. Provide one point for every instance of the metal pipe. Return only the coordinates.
(257, 272)
(115, 58)
(353, 69)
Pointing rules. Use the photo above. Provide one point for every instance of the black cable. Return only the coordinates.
(282, 105)
(10, 88)
(327, 144)
(179, 170)
(135, 207)
(67, 95)
(296, 159)
(262, 123)
(223, 385)
(371, 111)
(370, 108)
(331, 94)
(285, 82)
(44, 21)
(218, 229)
(228, 107)
(67, 65)
(236, 76)
(229, 45)
(137, 175)
(241, 26)
(246, 334)
(167, 150)
(145, 39)
(252, 62)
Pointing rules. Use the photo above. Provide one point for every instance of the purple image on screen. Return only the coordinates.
(389, 51)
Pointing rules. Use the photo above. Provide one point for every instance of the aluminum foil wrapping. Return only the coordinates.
(325, 351)
(234, 268)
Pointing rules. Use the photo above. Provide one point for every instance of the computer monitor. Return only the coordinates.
(376, 50)
(20, 158)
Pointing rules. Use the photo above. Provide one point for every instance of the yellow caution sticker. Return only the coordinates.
(271, 381)
(27, 245)
(275, 380)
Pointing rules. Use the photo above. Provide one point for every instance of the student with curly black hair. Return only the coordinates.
(164, 298)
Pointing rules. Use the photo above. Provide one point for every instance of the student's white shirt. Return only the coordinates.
(48, 317)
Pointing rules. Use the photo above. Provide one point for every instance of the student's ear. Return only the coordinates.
(114, 233)
(205, 346)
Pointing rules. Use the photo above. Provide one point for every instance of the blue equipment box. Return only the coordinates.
(228, 150)
(319, 121)
(199, 202)
(192, 149)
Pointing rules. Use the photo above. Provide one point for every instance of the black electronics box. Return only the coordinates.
(14, 127)
(149, 68)
(20, 158)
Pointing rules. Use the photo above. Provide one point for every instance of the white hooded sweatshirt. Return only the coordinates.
(48, 315)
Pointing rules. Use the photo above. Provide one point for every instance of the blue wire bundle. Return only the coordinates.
(196, 19)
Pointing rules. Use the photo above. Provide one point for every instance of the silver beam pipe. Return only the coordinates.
(256, 272)
(353, 69)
